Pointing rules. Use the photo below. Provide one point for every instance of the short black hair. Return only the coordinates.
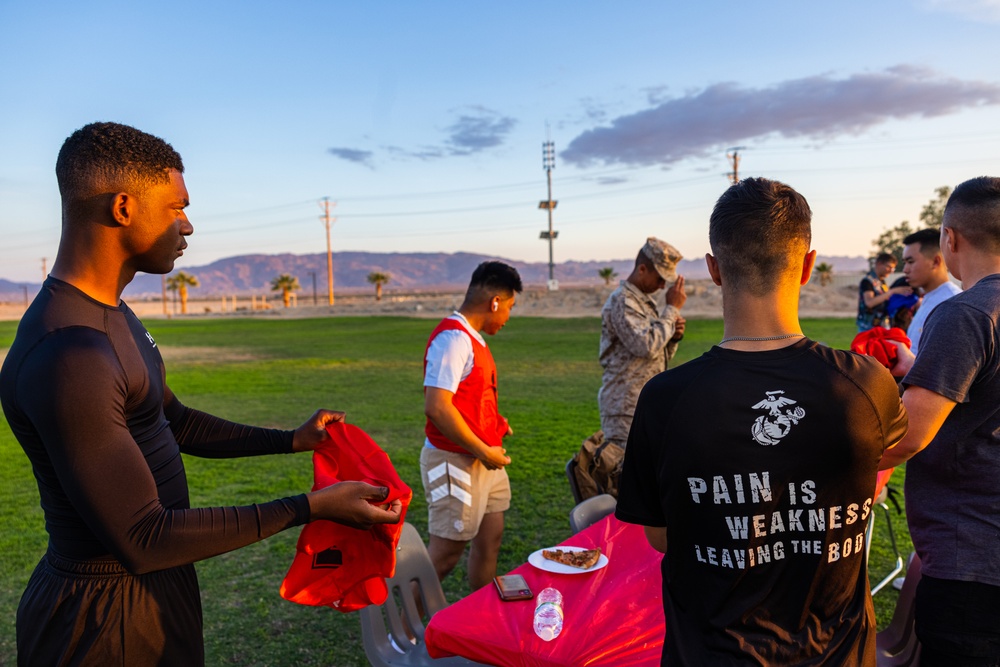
(929, 240)
(111, 157)
(758, 230)
(885, 258)
(642, 259)
(495, 276)
(973, 209)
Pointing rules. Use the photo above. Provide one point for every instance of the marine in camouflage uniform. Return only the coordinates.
(638, 337)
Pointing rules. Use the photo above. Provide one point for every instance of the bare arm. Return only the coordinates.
(657, 538)
(872, 299)
(927, 411)
(440, 409)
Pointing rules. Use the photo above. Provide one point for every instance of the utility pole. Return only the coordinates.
(549, 163)
(163, 291)
(313, 274)
(45, 272)
(327, 220)
(733, 155)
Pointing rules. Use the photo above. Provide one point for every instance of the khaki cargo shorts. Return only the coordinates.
(460, 491)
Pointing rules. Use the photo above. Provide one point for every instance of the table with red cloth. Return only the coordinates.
(612, 616)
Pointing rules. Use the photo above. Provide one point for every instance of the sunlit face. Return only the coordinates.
(649, 280)
(157, 235)
(499, 316)
(917, 267)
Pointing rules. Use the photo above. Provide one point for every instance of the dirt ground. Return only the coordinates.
(704, 301)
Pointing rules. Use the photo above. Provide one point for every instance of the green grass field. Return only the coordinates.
(276, 373)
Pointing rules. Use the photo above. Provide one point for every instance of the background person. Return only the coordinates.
(462, 464)
(925, 270)
(638, 338)
(83, 389)
(753, 467)
(874, 294)
(953, 398)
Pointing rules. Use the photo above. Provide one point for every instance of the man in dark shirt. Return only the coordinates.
(874, 294)
(83, 388)
(953, 398)
(753, 467)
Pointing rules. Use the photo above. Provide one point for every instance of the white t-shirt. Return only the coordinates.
(450, 358)
(942, 292)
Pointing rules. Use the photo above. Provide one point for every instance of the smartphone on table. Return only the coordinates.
(512, 587)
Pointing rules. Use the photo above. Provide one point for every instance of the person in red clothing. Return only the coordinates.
(462, 464)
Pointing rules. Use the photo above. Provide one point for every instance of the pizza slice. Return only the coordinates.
(584, 560)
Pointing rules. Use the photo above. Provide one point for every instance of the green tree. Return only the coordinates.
(285, 284)
(378, 279)
(179, 283)
(608, 274)
(825, 273)
(891, 240)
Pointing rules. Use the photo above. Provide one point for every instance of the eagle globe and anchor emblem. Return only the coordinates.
(770, 428)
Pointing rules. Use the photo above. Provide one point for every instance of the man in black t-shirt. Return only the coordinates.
(83, 388)
(953, 397)
(874, 294)
(753, 467)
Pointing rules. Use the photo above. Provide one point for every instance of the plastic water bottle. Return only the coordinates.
(549, 614)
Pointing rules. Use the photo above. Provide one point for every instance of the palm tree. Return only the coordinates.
(378, 279)
(825, 272)
(608, 274)
(179, 283)
(285, 284)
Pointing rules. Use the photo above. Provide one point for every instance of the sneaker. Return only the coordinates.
(897, 583)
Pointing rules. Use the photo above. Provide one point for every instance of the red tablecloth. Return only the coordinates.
(613, 616)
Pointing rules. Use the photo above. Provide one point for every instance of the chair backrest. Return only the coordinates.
(574, 486)
(591, 510)
(897, 644)
(415, 575)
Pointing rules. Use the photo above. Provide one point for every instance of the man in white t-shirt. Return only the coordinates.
(925, 269)
(463, 459)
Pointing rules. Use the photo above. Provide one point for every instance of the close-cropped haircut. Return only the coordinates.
(885, 258)
(759, 230)
(110, 157)
(929, 240)
(495, 276)
(974, 211)
(642, 259)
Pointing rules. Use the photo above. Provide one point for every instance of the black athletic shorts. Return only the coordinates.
(95, 613)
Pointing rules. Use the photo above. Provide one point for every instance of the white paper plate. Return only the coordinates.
(543, 563)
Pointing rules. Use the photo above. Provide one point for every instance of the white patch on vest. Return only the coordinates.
(459, 525)
(459, 475)
(436, 472)
(439, 493)
(462, 495)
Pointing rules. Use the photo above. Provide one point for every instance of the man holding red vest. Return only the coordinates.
(463, 459)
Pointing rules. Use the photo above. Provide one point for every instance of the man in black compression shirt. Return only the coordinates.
(83, 388)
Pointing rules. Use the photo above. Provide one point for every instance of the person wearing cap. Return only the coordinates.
(638, 337)
(83, 388)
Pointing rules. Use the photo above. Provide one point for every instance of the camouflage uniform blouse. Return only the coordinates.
(635, 346)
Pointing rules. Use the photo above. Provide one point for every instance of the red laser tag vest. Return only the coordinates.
(336, 566)
(875, 343)
(476, 398)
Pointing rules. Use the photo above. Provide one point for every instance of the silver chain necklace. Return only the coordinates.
(759, 339)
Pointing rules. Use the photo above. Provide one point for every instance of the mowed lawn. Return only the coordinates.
(276, 373)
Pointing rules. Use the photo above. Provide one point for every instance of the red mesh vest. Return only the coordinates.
(476, 398)
(337, 566)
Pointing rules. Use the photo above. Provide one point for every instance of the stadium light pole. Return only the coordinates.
(549, 163)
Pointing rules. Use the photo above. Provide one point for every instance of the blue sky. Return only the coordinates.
(424, 122)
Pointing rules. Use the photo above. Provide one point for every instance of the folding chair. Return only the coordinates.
(574, 488)
(897, 645)
(881, 502)
(590, 511)
(413, 565)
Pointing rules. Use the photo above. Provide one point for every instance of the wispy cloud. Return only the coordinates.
(353, 155)
(478, 130)
(818, 107)
(976, 10)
